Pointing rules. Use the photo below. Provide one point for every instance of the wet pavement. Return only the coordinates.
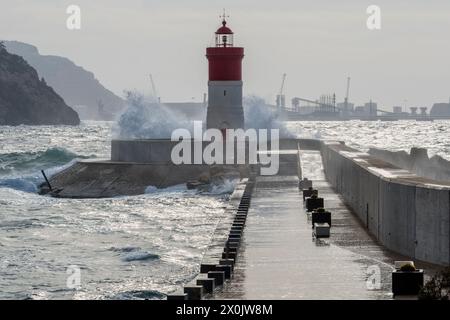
(280, 259)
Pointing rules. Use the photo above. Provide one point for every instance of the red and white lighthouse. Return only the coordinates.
(225, 109)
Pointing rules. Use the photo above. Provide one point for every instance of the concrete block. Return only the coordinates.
(307, 193)
(234, 236)
(226, 269)
(227, 262)
(208, 284)
(407, 282)
(218, 276)
(205, 267)
(314, 203)
(229, 254)
(230, 249)
(305, 184)
(193, 291)
(322, 230)
(233, 243)
(177, 296)
(321, 216)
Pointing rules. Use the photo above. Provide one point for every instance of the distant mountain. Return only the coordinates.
(79, 88)
(26, 99)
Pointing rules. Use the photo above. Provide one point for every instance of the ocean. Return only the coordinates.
(137, 247)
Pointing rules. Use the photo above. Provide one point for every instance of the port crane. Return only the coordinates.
(155, 94)
(346, 95)
(281, 100)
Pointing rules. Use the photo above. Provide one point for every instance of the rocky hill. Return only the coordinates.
(78, 87)
(27, 99)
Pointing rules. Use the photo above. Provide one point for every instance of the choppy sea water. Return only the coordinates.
(391, 135)
(138, 247)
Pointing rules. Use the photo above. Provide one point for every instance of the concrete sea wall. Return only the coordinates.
(406, 213)
(159, 150)
(417, 161)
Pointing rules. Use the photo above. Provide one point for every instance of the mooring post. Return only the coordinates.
(46, 180)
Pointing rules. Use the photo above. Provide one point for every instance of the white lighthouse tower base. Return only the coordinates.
(225, 109)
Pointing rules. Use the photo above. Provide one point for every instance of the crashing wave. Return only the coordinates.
(21, 171)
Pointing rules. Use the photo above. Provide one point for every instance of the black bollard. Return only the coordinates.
(314, 202)
(320, 215)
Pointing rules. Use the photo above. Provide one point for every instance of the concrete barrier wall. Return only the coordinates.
(432, 207)
(294, 143)
(406, 216)
(159, 150)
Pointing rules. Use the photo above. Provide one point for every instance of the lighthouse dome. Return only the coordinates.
(224, 29)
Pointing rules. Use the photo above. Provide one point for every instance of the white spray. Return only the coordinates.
(145, 118)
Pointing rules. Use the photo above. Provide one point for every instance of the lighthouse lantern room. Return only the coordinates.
(224, 36)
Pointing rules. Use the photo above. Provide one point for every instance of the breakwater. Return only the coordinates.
(406, 213)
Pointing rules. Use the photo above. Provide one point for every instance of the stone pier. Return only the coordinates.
(279, 259)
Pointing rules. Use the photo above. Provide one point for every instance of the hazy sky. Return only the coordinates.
(317, 43)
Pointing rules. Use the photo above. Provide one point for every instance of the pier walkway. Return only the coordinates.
(279, 259)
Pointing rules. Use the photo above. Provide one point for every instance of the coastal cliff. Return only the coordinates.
(77, 86)
(26, 99)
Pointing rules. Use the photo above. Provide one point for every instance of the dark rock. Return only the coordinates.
(26, 99)
(78, 87)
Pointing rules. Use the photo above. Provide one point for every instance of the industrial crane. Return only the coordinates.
(281, 101)
(346, 95)
(155, 94)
